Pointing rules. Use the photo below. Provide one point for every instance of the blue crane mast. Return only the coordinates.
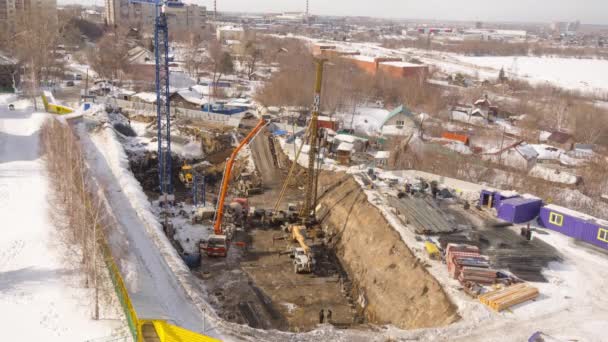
(163, 105)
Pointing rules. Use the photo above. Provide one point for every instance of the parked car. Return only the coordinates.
(69, 83)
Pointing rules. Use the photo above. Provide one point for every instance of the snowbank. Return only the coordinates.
(42, 297)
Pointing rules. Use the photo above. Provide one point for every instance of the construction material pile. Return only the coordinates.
(507, 297)
(467, 265)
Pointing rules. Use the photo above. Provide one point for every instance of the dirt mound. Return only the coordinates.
(390, 284)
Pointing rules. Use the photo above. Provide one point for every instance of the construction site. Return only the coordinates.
(301, 199)
(279, 243)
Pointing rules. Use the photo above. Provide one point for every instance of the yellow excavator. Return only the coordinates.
(185, 175)
(303, 261)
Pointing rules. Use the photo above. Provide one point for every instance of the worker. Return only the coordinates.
(329, 313)
(321, 316)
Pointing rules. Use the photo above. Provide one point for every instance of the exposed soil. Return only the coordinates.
(390, 284)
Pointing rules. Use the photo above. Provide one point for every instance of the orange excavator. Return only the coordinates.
(217, 244)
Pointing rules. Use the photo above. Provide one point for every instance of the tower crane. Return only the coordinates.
(163, 105)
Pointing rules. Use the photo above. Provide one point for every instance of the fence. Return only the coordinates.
(142, 330)
(149, 109)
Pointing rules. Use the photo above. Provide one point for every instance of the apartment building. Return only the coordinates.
(121, 12)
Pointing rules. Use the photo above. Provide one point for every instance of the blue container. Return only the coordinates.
(519, 209)
(192, 260)
(87, 106)
(574, 224)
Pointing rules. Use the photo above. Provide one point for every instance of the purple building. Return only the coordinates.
(519, 209)
(574, 224)
(492, 199)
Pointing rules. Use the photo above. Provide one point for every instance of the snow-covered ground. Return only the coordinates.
(152, 267)
(570, 73)
(41, 297)
(571, 306)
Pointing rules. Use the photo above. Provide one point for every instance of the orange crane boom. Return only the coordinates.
(217, 227)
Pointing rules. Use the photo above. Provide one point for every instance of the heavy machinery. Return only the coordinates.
(247, 185)
(220, 238)
(185, 175)
(215, 245)
(303, 260)
(307, 211)
(163, 108)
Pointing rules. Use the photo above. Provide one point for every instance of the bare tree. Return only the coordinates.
(110, 56)
(194, 58)
(251, 58)
(590, 123)
(220, 62)
(34, 44)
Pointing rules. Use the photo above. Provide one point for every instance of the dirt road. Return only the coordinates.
(264, 160)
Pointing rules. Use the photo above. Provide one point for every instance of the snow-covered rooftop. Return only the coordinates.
(403, 64)
(527, 152)
(348, 138)
(362, 58)
(344, 146)
(192, 97)
(382, 154)
(146, 96)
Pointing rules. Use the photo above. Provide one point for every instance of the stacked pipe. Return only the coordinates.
(467, 265)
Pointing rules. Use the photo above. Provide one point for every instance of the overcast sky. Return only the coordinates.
(587, 11)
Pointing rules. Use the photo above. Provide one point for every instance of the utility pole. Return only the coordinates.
(312, 153)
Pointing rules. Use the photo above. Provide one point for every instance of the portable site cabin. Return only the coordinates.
(492, 198)
(574, 224)
(344, 152)
(519, 209)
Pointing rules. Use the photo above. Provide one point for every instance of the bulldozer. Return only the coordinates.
(185, 175)
(247, 185)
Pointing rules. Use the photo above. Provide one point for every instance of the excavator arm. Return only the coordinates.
(217, 227)
(296, 234)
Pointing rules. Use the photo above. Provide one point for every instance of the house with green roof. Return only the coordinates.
(399, 122)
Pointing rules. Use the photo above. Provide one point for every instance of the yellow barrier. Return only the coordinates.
(165, 332)
(121, 291)
(51, 107)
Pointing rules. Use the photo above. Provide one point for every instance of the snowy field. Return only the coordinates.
(41, 297)
(587, 75)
